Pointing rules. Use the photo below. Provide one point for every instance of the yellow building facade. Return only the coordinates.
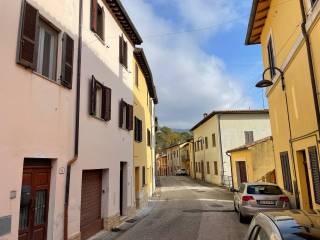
(143, 110)
(289, 34)
(253, 162)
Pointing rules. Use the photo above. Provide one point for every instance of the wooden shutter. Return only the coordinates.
(314, 164)
(93, 97)
(67, 61)
(129, 117)
(148, 137)
(286, 173)
(121, 106)
(106, 103)
(125, 53)
(27, 46)
(94, 15)
(121, 50)
(136, 129)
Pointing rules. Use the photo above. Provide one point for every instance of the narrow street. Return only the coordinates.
(188, 210)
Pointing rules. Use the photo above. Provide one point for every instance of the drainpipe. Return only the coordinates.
(231, 168)
(222, 163)
(310, 62)
(76, 137)
(194, 159)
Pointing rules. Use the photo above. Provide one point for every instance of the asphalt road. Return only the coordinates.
(187, 210)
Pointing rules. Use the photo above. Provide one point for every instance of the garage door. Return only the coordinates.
(91, 221)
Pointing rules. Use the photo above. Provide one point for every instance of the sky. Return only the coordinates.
(197, 55)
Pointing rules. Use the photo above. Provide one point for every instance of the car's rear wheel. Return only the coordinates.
(242, 218)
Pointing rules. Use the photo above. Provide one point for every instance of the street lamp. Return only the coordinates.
(267, 83)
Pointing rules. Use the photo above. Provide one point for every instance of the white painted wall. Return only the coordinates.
(233, 127)
(37, 115)
(103, 145)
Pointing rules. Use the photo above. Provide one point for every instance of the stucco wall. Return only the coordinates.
(37, 114)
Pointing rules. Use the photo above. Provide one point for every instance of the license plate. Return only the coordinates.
(266, 202)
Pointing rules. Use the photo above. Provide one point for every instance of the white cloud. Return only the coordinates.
(189, 81)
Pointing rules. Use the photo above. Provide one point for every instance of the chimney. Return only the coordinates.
(205, 115)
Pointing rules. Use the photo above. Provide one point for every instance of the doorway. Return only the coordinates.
(123, 189)
(304, 180)
(241, 172)
(34, 203)
(137, 186)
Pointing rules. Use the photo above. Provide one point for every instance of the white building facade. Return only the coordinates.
(220, 131)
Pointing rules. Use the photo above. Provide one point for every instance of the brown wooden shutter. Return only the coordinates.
(286, 173)
(121, 50)
(106, 103)
(314, 164)
(93, 97)
(94, 15)
(121, 106)
(67, 61)
(27, 47)
(125, 53)
(129, 117)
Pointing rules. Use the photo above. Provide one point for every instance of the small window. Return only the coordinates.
(137, 130)
(125, 116)
(123, 52)
(215, 167)
(271, 58)
(249, 137)
(213, 140)
(47, 50)
(97, 19)
(208, 168)
(206, 142)
(100, 100)
(137, 75)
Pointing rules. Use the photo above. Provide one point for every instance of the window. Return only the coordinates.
(100, 100)
(286, 173)
(47, 50)
(313, 156)
(123, 52)
(208, 168)
(38, 47)
(97, 19)
(201, 144)
(143, 176)
(213, 140)
(206, 142)
(125, 115)
(242, 187)
(264, 189)
(137, 75)
(249, 137)
(215, 167)
(148, 138)
(271, 58)
(137, 130)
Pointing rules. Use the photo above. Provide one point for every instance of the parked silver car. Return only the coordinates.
(285, 225)
(252, 198)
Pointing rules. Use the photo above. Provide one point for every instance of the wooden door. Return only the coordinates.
(242, 172)
(34, 203)
(91, 191)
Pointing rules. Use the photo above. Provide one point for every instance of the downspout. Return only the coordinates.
(222, 163)
(76, 137)
(194, 160)
(231, 168)
(310, 63)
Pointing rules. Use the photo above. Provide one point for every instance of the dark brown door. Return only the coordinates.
(242, 171)
(34, 203)
(91, 221)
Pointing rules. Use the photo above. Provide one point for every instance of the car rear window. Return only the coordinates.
(264, 189)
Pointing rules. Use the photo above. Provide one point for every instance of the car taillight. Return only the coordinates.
(284, 199)
(247, 198)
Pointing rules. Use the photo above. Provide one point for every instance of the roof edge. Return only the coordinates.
(247, 146)
(251, 22)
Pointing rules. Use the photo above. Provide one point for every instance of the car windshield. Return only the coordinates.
(264, 189)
